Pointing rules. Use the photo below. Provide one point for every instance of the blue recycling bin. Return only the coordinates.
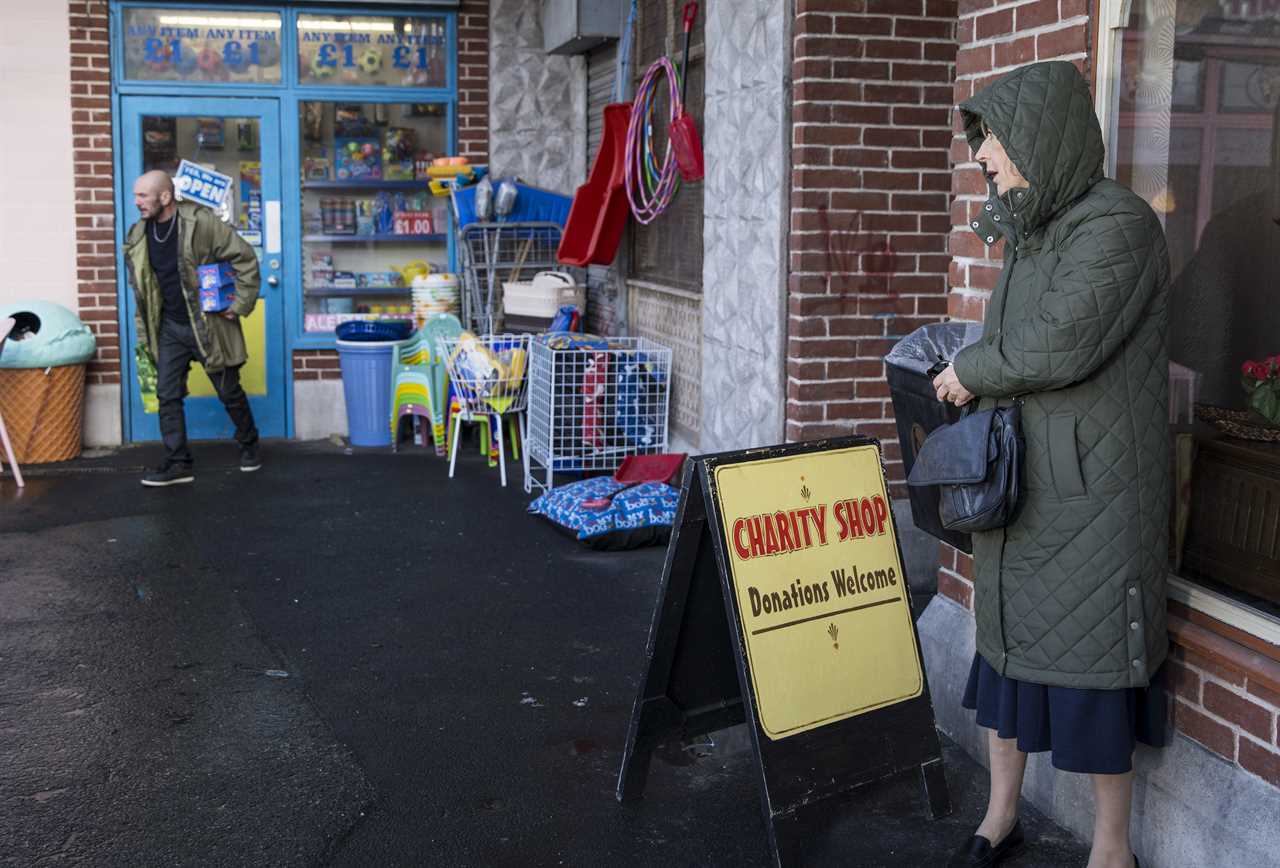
(366, 385)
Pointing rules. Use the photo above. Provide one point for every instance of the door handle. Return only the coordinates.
(273, 281)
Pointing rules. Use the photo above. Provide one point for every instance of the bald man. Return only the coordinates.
(161, 253)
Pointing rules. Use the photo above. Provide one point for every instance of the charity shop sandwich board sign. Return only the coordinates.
(784, 604)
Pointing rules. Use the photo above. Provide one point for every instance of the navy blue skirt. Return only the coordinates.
(1089, 731)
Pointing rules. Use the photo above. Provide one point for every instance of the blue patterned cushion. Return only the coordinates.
(649, 506)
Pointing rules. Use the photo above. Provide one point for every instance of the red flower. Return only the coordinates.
(1255, 370)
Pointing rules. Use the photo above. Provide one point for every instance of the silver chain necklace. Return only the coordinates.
(173, 222)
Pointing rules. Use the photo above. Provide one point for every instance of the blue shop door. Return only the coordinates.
(238, 138)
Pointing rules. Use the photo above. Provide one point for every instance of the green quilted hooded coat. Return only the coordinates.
(1072, 592)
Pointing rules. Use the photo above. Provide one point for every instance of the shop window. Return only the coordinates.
(1196, 132)
(369, 221)
(201, 45)
(365, 50)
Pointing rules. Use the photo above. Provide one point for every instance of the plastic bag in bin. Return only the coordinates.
(917, 410)
(928, 344)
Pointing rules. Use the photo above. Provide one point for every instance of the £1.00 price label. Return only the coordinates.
(414, 223)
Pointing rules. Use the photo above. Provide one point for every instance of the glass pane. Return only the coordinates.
(231, 146)
(369, 219)
(1196, 136)
(363, 50)
(224, 144)
(1249, 87)
(202, 45)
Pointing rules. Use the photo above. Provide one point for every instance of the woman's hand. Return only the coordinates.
(948, 387)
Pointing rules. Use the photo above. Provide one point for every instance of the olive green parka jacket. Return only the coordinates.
(202, 239)
(1072, 592)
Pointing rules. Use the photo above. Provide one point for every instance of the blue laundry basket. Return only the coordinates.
(366, 385)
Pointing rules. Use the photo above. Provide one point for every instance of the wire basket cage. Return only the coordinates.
(591, 404)
(489, 379)
(492, 254)
(488, 373)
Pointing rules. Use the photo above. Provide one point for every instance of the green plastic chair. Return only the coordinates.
(419, 379)
(438, 329)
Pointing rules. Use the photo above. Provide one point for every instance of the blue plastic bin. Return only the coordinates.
(366, 384)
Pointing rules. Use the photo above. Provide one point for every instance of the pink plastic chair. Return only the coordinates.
(6, 326)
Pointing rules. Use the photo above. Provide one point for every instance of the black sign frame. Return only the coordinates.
(696, 680)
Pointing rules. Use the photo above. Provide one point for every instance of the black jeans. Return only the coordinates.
(178, 349)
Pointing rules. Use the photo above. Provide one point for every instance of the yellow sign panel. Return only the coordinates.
(253, 376)
(820, 587)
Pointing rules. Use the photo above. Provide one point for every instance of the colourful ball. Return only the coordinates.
(367, 149)
(208, 59)
(371, 61)
(319, 70)
(352, 147)
(187, 59)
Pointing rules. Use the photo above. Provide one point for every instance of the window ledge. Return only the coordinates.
(662, 288)
(1218, 649)
(1224, 609)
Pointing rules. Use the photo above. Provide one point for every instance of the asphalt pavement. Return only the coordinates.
(347, 659)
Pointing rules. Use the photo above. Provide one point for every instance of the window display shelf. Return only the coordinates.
(339, 239)
(362, 290)
(372, 184)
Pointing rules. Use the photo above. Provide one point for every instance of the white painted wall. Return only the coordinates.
(37, 210)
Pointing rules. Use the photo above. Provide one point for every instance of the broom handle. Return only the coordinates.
(690, 13)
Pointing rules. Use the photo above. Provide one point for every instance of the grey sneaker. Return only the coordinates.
(169, 474)
(250, 460)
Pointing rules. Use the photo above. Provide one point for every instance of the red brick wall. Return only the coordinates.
(1225, 687)
(870, 130)
(94, 186)
(473, 80)
(316, 365)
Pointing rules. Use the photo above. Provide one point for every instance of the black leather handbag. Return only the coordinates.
(977, 465)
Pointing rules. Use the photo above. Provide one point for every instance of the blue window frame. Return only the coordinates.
(290, 94)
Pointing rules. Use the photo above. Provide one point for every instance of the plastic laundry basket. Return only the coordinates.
(918, 411)
(366, 385)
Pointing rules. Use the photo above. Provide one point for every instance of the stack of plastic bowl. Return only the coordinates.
(435, 293)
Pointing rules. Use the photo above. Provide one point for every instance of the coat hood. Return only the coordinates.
(1043, 115)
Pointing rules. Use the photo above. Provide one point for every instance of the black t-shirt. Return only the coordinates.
(162, 250)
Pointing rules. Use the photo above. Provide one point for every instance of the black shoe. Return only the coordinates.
(978, 852)
(169, 474)
(249, 459)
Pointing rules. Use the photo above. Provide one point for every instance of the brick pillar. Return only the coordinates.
(94, 184)
(473, 80)
(994, 38)
(869, 208)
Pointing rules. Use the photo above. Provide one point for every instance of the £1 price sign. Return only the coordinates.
(414, 223)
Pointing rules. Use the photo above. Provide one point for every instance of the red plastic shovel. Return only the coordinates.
(685, 140)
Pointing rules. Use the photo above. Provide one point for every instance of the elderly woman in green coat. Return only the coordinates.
(1070, 596)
